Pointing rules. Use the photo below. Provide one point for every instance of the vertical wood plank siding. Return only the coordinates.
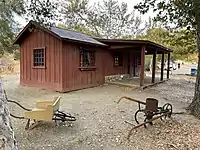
(49, 77)
(73, 77)
(110, 69)
(62, 58)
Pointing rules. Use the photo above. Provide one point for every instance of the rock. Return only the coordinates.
(111, 127)
(83, 118)
(89, 143)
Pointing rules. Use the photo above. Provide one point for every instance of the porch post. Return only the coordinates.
(168, 65)
(154, 67)
(162, 66)
(142, 66)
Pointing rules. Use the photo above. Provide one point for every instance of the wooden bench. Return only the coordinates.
(44, 111)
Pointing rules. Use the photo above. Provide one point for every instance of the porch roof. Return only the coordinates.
(135, 45)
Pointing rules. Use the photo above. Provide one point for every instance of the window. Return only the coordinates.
(87, 58)
(39, 57)
(118, 60)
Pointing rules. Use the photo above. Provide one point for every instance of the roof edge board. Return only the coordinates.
(31, 22)
(135, 42)
(82, 42)
(37, 25)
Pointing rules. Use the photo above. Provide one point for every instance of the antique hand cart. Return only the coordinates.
(46, 110)
(146, 114)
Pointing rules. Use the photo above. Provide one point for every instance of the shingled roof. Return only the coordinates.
(63, 34)
(73, 35)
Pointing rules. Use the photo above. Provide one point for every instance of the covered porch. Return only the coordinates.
(134, 52)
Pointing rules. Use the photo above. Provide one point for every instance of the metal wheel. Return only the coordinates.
(61, 116)
(167, 108)
(140, 116)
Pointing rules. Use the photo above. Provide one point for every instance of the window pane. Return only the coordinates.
(38, 59)
(118, 60)
(87, 58)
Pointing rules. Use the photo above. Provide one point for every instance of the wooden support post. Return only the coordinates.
(162, 66)
(142, 66)
(168, 65)
(154, 67)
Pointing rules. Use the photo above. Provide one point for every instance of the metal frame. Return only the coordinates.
(164, 111)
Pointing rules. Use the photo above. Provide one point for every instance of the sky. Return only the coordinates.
(130, 3)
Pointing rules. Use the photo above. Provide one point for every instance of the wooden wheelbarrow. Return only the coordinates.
(46, 111)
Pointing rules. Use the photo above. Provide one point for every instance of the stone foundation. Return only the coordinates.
(116, 77)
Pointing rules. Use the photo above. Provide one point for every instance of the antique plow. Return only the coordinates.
(146, 114)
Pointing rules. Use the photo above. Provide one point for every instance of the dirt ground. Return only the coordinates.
(100, 121)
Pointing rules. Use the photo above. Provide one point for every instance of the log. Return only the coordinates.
(7, 138)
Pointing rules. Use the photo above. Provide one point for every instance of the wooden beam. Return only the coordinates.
(120, 47)
(162, 66)
(168, 65)
(154, 67)
(142, 66)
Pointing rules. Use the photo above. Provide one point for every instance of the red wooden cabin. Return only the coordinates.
(65, 60)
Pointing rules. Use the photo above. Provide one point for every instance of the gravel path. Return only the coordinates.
(100, 121)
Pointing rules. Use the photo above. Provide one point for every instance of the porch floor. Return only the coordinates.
(135, 81)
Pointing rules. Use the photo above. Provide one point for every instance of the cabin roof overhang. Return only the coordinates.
(32, 25)
(29, 28)
(119, 44)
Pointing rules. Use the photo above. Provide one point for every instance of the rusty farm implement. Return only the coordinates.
(150, 112)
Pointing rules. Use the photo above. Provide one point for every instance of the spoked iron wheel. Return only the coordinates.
(140, 116)
(167, 108)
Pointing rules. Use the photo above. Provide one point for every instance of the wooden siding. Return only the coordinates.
(49, 77)
(134, 68)
(73, 77)
(62, 72)
(110, 69)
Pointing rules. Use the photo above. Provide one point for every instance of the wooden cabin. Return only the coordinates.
(65, 60)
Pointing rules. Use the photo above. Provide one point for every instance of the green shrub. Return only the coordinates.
(17, 55)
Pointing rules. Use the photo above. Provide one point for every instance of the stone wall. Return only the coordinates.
(116, 77)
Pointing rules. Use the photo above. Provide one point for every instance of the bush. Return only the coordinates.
(17, 55)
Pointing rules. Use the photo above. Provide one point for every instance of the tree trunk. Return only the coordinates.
(7, 138)
(194, 107)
